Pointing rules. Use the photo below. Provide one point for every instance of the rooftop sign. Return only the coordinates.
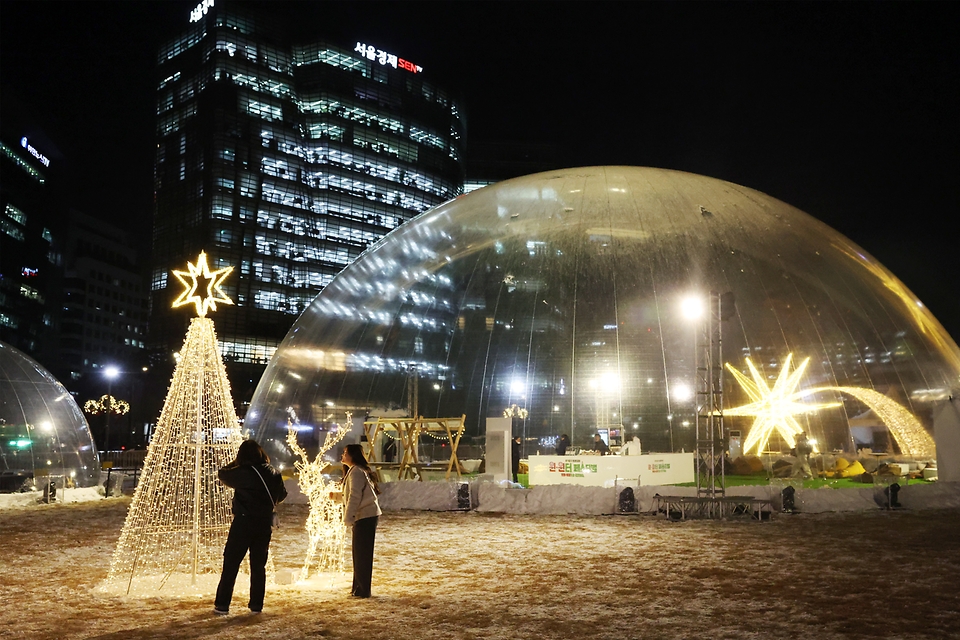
(200, 10)
(372, 53)
(36, 154)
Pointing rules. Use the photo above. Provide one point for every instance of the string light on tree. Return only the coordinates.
(177, 525)
(325, 530)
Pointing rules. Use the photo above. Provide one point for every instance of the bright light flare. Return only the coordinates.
(692, 307)
(682, 392)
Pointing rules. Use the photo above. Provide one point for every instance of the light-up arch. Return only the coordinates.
(775, 407)
(910, 435)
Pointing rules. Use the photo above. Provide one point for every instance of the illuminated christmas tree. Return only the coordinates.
(180, 515)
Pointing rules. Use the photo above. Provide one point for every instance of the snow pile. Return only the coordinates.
(826, 499)
(940, 495)
(491, 576)
(548, 499)
(64, 496)
(421, 496)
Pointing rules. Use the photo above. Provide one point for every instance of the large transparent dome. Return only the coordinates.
(42, 430)
(562, 293)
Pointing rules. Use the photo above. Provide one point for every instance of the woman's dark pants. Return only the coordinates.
(364, 534)
(246, 534)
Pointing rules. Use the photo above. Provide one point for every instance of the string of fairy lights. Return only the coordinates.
(325, 530)
(181, 513)
(106, 404)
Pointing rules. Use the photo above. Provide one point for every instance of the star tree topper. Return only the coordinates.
(190, 281)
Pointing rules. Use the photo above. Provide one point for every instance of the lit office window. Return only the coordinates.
(12, 230)
(15, 214)
(179, 45)
(20, 162)
(263, 110)
(158, 280)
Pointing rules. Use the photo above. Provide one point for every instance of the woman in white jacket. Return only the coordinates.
(361, 512)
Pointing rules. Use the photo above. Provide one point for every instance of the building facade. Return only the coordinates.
(285, 161)
(32, 208)
(104, 317)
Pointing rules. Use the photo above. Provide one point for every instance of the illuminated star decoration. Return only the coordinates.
(774, 408)
(189, 280)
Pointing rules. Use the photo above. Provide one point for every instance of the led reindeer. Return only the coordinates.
(325, 519)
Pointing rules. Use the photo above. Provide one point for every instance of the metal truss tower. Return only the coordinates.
(711, 474)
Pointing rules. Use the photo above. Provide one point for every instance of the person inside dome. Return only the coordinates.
(631, 448)
(600, 446)
(563, 442)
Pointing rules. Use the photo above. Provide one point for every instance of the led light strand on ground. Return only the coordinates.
(324, 525)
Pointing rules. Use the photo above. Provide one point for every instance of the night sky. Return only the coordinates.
(849, 111)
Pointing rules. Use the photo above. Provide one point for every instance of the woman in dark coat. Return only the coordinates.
(516, 450)
(562, 443)
(258, 487)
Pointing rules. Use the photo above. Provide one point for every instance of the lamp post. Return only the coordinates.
(110, 373)
(692, 308)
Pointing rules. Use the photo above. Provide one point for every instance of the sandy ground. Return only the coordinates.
(491, 576)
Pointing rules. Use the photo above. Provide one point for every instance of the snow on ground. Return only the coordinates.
(483, 575)
(68, 496)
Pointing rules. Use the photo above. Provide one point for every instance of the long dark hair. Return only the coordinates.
(357, 459)
(251, 452)
(355, 451)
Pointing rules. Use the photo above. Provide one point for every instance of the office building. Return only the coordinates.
(32, 208)
(285, 160)
(104, 313)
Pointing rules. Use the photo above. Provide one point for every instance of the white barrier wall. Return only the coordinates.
(498, 448)
(607, 471)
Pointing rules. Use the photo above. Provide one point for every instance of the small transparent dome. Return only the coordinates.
(42, 430)
(559, 298)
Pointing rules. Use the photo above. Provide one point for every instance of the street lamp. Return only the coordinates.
(111, 373)
(692, 307)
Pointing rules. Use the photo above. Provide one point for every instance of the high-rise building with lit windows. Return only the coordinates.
(33, 201)
(285, 160)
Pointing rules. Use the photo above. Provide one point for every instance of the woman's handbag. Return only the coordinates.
(275, 522)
